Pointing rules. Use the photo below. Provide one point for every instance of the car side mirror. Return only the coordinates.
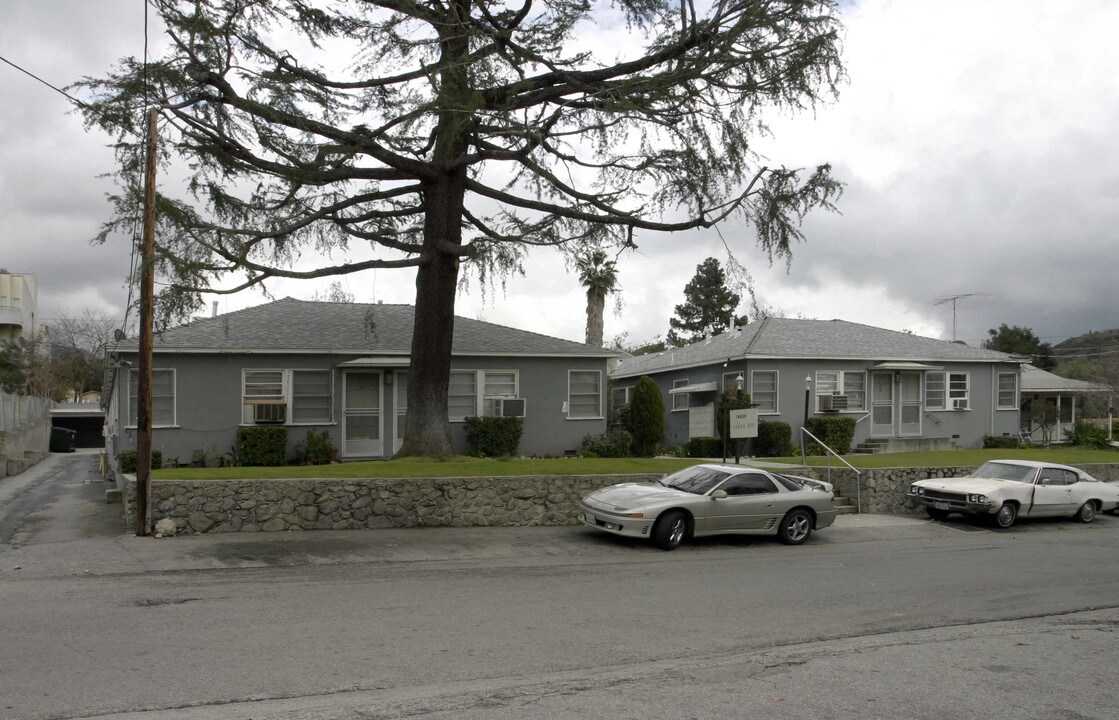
(718, 494)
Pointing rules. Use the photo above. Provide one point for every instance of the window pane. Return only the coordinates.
(680, 400)
(1008, 387)
(264, 383)
(461, 396)
(163, 397)
(827, 383)
(311, 396)
(583, 394)
(764, 390)
(934, 390)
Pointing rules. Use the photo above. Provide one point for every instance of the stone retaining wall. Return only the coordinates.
(198, 506)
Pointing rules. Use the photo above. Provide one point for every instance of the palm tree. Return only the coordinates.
(600, 277)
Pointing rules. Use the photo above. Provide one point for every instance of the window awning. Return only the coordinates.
(379, 361)
(696, 388)
(905, 366)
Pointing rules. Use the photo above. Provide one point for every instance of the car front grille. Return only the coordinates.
(942, 495)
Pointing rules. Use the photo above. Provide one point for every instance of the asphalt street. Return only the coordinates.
(876, 617)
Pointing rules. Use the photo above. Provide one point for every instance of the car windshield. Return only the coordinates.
(1006, 471)
(696, 480)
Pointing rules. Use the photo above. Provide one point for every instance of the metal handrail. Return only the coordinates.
(858, 473)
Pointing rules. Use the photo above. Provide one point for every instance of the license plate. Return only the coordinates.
(590, 518)
(942, 506)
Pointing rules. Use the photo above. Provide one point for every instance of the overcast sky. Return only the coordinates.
(977, 140)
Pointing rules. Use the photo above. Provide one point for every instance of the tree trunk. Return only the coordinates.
(426, 428)
(596, 307)
(427, 431)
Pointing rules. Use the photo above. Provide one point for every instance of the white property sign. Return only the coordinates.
(701, 422)
(744, 423)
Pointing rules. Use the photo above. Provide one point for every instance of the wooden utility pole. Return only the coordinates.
(147, 301)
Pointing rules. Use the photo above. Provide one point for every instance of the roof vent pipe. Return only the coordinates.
(214, 309)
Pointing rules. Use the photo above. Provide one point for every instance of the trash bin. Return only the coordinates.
(63, 439)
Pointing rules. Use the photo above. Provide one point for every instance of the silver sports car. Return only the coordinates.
(712, 500)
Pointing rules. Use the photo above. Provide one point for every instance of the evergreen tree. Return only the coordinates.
(708, 305)
(449, 136)
(645, 417)
(1021, 341)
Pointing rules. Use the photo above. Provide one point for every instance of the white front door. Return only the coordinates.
(909, 400)
(361, 415)
(882, 404)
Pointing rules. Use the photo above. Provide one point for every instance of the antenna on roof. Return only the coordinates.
(955, 299)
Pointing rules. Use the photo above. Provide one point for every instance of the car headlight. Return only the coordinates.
(916, 490)
(977, 498)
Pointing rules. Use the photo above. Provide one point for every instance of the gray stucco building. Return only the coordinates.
(343, 368)
(899, 387)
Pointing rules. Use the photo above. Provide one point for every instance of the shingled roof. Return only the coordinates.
(788, 338)
(301, 326)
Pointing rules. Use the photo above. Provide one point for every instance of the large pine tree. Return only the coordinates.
(450, 135)
(709, 306)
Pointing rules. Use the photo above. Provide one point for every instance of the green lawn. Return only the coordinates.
(476, 467)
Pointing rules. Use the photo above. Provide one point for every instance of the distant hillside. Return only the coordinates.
(1101, 340)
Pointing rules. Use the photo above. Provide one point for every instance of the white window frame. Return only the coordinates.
(487, 399)
(571, 396)
(1013, 390)
(473, 395)
(776, 391)
(625, 392)
(133, 411)
(946, 391)
(957, 394)
(839, 386)
(286, 397)
(729, 379)
(680, 400)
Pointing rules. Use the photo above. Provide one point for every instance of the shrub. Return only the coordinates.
(494, 436)
(645, 417)
(126, 460)
(262, 446)
(1007, 442)
(774, 439)
(835, 431)
(1088, 435)
(612, 444)
(704, 448)
(315, 450)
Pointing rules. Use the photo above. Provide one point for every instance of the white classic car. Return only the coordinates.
(1008, 489)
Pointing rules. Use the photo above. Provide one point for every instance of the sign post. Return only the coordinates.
(743, 424)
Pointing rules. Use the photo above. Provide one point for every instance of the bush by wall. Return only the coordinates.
(835, 431)
(774, 439)
(1087, 435)
(705, 448)
(262, 446)
(316, 449)
(645, 417)
(126, 460)
(613, 444)
(1008, 442)
(494, 436)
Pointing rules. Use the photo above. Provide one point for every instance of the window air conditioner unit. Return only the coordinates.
(509, 407)
(959, 404)
(270, 414)
(833, 403)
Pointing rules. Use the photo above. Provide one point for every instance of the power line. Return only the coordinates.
(52, 87)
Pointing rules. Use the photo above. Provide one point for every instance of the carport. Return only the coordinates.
(85, 419)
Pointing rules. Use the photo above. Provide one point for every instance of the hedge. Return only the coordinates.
(494, 436)
(262, 446)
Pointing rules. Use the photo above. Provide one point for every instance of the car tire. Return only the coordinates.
(670, 530)
(937, 514)
(1086, 513)
(795, 527)
(1006, 515)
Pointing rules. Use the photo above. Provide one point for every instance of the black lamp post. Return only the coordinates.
(803, 437)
